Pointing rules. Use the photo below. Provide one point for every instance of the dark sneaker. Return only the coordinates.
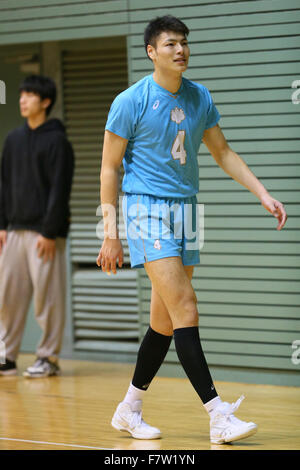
(42, 368)
(9, 368)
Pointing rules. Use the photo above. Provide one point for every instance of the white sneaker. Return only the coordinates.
(129, 418)
(225, 427)
(42, 368)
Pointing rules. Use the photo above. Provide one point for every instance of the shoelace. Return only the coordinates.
(136, 419)
(232, 408)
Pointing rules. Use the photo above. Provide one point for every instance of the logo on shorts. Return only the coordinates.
(157, 244)
(156, 104)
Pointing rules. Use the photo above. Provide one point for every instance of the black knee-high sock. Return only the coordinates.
(191, 356)
(151, 355)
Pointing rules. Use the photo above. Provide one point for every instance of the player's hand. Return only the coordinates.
(275, 208)
(110, 253)
(3, 238)
(46, 248)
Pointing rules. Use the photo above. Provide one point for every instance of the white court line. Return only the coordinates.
(54, 443)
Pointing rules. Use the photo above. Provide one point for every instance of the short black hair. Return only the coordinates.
(161, 24)
(40, 85)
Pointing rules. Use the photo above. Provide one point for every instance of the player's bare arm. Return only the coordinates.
(235, 167)
(111, 251)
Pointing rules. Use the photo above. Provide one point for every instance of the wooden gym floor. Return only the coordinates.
(73, 411)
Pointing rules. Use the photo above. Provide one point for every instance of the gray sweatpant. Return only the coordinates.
(23, 274)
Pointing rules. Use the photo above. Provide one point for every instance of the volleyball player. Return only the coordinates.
(155, 127)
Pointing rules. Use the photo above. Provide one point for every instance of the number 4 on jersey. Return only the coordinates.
(178, 151)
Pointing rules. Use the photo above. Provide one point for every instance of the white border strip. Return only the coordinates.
(54, 443)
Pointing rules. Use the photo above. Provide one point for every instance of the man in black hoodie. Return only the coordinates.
(36, 177)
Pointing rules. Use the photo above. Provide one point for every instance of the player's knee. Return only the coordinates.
(187, 311)
(164, 327)
(190, 317)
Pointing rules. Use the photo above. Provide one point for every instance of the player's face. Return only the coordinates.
(31, 104)
(171, 52)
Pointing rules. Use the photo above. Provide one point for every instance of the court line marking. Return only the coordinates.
(54, 443)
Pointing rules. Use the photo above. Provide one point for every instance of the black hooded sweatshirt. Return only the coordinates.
(36, 177)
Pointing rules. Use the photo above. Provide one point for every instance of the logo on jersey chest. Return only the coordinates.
(177, 115)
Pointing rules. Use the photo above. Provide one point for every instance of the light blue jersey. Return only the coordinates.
(164, 133)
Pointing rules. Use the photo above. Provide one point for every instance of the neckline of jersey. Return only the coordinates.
(166, 92)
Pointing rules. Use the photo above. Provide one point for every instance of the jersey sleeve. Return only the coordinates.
(122, 117)
(212, 114)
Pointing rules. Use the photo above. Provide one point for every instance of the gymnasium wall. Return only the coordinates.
(246, 53)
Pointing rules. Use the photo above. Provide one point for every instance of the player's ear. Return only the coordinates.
(150, 51)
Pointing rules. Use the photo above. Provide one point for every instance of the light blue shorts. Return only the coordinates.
(161, 227)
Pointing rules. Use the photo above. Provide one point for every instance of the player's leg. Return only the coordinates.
(171, 282)
(151, 355)
(154, 346)
(156, 342)
(15, 296)
(49, 281)
(160, 319)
